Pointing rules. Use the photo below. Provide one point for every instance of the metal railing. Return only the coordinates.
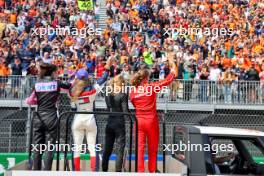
(217, 92)
(180, 91)
(12, 87)
(132, 121)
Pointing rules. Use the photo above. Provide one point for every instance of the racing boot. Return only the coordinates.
(93, 163)
(77, 163)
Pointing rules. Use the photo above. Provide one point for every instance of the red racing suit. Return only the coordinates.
(148, 123)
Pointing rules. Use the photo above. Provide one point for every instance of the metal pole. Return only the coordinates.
(30, 140)
(58, 152)
(28, 127)
(164, 142)
(167, 97)
(10, 135)
(66, 147)
(21, 92)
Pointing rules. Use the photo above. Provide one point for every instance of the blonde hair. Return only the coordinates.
(139, 76)
(117, 84)
(78, 88)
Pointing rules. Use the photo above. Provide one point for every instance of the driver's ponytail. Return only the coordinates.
(138, 77)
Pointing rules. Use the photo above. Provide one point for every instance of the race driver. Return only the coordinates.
(143, 98)
(45, 94)
(83, 95)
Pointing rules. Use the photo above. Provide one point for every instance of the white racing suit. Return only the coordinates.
(85, 124)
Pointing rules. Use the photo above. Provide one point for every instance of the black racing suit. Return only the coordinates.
(115, 130)
(47, 91)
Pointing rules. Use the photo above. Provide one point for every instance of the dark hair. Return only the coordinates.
(47, 70)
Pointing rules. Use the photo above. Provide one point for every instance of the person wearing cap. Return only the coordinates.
(45, 94)
(83, 95)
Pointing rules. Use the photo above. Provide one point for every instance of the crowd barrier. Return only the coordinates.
(180, 91)
(131, 120)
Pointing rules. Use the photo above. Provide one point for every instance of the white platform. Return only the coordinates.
(71, 173)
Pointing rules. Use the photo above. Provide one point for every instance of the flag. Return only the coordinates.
(147, 58)
(85, 4)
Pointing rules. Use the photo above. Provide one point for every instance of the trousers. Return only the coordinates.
(148, 128)
(84, 124)
(45, 131)
(112, 134)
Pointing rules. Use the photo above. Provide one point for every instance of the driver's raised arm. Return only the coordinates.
(170, 77)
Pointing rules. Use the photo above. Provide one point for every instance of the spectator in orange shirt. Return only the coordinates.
(226, 62)
(69, 41)
(80, 23)
(13, 18)
(4, 72)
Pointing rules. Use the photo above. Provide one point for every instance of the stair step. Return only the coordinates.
(102, 14)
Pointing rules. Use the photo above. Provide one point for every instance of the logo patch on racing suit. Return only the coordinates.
(84, 100)
(46, 87)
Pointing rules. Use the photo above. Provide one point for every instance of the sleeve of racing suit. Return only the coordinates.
(100, 82)
(164, 82)
(32, 99)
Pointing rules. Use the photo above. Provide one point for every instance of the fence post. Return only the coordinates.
(167, 97)
(22, 91)
(164, 142)
(28, 127)
(10, 136)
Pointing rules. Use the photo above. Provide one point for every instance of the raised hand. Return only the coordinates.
(109, 62)
(171, 62)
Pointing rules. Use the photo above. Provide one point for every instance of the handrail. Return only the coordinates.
(237, 92)
(101, 113)
(67, 126)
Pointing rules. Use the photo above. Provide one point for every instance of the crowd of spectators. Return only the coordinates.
(139, 34)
